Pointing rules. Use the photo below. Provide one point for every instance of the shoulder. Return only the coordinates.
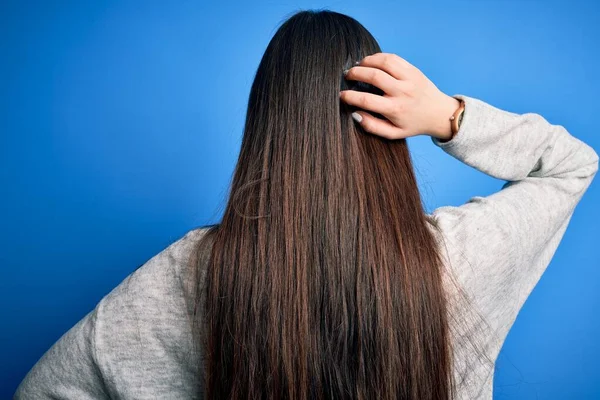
(149, 287)
(143, 326)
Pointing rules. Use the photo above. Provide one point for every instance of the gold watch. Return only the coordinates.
(457, 117)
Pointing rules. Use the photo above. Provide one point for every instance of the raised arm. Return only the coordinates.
(501, 244)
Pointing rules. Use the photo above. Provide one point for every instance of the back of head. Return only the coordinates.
(323, 280)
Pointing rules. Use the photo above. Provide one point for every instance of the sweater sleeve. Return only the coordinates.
(69, 369)
(500, 245)
(136, 343)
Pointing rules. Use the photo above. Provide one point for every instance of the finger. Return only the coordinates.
(393, 64)
(367, 101)
(375, 77)
(377, 126)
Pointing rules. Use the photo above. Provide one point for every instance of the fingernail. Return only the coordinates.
(357, 117)
(357, 63)
(346, 71)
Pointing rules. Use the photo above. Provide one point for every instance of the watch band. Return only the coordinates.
(456, 118)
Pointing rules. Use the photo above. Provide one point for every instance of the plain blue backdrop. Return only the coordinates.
(121, 123)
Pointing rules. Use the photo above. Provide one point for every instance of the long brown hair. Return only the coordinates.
(323, 279)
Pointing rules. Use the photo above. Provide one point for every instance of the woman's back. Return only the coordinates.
(137, 343)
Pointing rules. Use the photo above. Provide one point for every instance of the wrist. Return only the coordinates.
(443, 126)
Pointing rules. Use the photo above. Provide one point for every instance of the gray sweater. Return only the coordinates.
(137, 344)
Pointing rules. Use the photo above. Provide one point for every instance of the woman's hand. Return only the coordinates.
(412, 104)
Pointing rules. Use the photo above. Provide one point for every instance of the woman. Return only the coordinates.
(326, 279)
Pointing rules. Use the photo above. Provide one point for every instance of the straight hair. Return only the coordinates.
(324, 278)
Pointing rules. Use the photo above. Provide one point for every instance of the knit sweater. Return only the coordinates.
(136, 343)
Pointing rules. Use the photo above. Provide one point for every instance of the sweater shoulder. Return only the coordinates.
(143, 328)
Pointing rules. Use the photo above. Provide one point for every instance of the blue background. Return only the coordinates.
(121, 122)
